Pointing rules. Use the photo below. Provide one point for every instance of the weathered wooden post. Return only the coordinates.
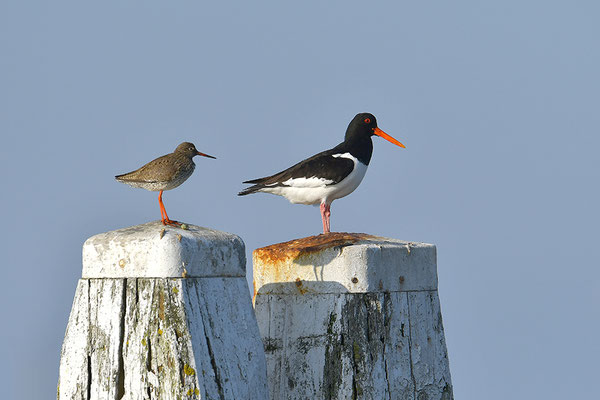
(162, 313)
(351, 316)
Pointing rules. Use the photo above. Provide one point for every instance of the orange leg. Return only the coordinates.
(163, 212)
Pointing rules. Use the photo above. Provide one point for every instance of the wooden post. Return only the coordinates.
(162, 313)
(351, 316)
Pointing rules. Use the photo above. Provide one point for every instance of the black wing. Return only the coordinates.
(323, 165)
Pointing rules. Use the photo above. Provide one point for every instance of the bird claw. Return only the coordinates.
(170, 222)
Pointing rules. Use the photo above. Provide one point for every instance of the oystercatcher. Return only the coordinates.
(164, 173)
(329, 175)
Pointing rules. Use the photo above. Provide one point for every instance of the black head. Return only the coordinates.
(188, 149)
(364, 125)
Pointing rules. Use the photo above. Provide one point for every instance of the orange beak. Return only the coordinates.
(387, 137)
(205, 155)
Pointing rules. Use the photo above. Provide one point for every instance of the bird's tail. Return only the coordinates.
(257, 185)
(250, 190)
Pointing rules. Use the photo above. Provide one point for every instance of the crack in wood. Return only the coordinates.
(149, 358)
(387, 310)
(89, 378)
(89, 344)
(412, 372)
(332, 369)
(121, 363)
(213, 363)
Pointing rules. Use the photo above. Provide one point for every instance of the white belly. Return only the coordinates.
(316, 190)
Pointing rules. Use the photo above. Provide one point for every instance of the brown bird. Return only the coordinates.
(165, 173)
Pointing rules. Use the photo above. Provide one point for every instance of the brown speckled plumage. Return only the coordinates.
(164, 173)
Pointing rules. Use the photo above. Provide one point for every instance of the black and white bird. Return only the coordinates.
(329, 175)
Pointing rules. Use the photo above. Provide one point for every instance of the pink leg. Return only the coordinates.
(325, 213)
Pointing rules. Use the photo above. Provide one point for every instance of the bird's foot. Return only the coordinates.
(167, 221)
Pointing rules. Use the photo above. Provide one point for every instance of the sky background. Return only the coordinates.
(496, 102)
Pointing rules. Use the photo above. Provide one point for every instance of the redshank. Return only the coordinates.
(329, 175)
(165, 173)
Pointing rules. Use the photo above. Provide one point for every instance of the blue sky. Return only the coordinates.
(496, 102)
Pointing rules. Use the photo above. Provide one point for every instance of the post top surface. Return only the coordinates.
(297, 248)
(155, 250)
(345, 262)
(311, 244)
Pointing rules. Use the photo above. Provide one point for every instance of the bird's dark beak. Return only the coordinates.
(387, 137)
(204, 155)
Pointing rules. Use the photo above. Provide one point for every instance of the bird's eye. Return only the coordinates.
(367, 120)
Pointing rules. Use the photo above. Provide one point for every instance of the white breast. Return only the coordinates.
(351, 182)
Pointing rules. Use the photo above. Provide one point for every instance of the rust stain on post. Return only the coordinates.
(277, 262)
(296, 248)
(301, 289)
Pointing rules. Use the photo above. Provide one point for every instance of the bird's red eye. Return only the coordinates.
(367, 120)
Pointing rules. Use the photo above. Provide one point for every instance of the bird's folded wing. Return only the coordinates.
(158, 170)
(319, 170)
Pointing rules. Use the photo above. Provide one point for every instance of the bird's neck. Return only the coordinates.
(359, 147)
